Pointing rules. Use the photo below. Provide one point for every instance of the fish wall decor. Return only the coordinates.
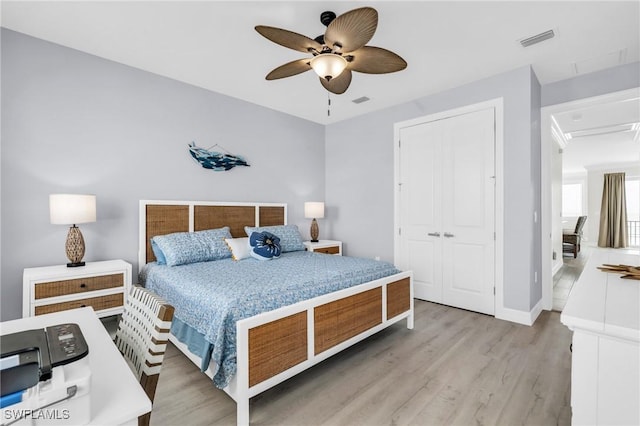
(213, 160)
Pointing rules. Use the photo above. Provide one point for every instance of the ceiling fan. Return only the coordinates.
(338, 52)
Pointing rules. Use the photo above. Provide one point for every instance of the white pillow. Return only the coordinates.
(240, 248)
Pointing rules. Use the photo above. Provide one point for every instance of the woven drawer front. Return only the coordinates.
(345, 318)
(328, 250)
(98, 304)
(78, 285)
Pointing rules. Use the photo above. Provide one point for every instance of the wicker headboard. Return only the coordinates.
(165, 217)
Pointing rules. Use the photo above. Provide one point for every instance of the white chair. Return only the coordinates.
(142, 338)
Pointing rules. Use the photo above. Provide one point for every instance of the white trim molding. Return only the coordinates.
(521, 317)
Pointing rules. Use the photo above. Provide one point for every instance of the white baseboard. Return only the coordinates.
(556, 268)
(520, 317)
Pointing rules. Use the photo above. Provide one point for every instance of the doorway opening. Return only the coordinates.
(581, 141)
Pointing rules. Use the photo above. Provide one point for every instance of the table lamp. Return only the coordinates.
(314, 210)
(72, 209)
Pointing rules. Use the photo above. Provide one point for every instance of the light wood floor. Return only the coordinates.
(455, 368)
(567, 276)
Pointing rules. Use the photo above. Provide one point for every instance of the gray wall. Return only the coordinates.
(359, 177)
(72, 122)
(610, 80)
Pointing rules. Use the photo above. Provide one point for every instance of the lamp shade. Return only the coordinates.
(328, 65)
(71, 209)
(314, 210)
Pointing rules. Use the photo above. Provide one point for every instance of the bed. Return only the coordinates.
(266, 343)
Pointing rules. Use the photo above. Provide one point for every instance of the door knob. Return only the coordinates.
(448, 235)
(433, 234)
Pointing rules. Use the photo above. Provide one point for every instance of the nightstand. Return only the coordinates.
(101, 285)
(325, 246)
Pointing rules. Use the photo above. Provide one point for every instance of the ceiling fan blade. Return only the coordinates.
(376, 60)
(339, 84)
(289, 69)
(289, 39)
(352, 30)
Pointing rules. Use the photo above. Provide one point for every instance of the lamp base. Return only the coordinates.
(314, 231)
(315, 241)
(74, 247)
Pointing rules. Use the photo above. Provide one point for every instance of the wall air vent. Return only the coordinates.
(537, 38)
(360, 100)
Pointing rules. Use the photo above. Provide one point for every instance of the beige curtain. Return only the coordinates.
(613, 213)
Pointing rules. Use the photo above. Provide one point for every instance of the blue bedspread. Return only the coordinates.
(211, 296)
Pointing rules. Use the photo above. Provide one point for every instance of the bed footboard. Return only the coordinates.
(276, 345)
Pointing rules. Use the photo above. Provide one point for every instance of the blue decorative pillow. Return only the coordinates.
(160, 260)
(290, 238)
(264, 245)
(181, 248)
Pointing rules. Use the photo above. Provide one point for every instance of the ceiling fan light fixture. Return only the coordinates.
(328, 65)
(340, 51)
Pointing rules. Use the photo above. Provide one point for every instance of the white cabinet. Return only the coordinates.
(603, 310)
(102, 285)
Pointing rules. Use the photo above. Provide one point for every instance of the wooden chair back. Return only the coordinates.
(580, 225)
(142, 338)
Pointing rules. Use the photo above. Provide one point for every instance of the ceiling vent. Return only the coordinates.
(601, 62)
(537, 38)
(360, 100)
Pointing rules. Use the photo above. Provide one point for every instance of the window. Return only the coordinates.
(572, 199)
(632, 194)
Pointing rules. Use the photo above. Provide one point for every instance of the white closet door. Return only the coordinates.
(421, 216)
(468, 211)
(447, 209)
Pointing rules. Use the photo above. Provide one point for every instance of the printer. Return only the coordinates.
(45, 377)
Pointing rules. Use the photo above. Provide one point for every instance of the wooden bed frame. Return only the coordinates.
(276, 345)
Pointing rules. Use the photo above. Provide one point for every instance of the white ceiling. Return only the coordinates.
(213, 44)
(608, 133)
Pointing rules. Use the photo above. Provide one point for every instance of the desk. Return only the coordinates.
(603, 311)
(116, 396)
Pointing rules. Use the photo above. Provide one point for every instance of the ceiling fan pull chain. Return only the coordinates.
(328, 104)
